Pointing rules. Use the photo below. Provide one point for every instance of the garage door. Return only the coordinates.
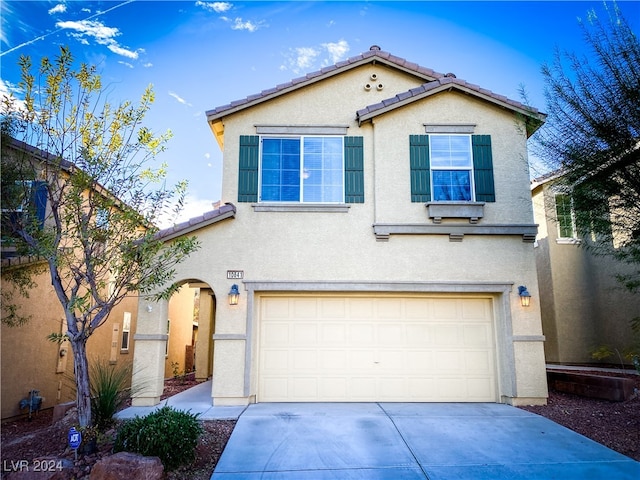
(363, 349)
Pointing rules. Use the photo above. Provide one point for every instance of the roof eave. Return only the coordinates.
(535, 122)
(267, 95)
(228, 210)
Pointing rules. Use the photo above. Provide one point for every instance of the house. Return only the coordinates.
(584, 308)
(375, 232)
(30, 361)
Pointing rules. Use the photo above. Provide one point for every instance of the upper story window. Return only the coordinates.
(451, 167)
(291, 169)
(564, 216)
(23, 206)
(308, 169)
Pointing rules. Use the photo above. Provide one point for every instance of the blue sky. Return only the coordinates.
(200, 54)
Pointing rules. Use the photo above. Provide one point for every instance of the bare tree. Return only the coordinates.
(77, 169)
(592, 135)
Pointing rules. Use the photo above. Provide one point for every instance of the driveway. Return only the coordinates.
(368, 441)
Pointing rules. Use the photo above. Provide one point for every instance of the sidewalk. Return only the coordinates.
(196, 400)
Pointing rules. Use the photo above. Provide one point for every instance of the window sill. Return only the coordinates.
(301, 207)
(568, 241)
(470, 210)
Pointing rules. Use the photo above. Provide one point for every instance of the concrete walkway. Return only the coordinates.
(394, 441)
(196, 400)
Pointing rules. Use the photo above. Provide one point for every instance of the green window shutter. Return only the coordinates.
(419, 165)
(248, 168)
(483, 168)
(353, 170)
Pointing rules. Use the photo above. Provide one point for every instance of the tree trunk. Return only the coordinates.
(83, 389)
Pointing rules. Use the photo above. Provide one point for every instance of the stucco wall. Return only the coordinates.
(583, 305)
(181, 308)
(325, 248)
(31, 362)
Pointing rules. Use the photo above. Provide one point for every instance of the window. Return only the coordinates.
(166, 346)
(564, 216)
(23, 206)
(306, 169)
(451, 167)
(126, 329)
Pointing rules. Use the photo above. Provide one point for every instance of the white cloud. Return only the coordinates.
(337, 51)
(91, 28)
(60, 8)
(118, 50)
(84, 30)
(305, 59)
(248, 25)
(7, 89)
(218, 7)
(179, 99)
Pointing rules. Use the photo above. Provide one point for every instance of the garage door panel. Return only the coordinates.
(376, 349)
(304, 334)
(361, 334)
(333, 334)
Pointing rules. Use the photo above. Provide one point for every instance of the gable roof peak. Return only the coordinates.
(375, 53)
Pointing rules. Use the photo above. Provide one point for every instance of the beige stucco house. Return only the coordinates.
(30, 361)
(377, 222)
(583, 306)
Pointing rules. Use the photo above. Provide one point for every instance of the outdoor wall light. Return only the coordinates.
(525, 296)
(234, 294)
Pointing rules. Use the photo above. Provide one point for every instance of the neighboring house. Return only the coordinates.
(583, 306)
(30, 361)
(378, 228)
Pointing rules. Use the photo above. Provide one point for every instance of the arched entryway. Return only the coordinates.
(173, 337)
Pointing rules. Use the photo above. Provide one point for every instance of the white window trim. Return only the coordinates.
(126, 327)
(301, 201)
(560, 240)
(469, 169)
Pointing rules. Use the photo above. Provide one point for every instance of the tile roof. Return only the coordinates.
(446, 82)
(373, 54)
(227, 210)
(434, 82)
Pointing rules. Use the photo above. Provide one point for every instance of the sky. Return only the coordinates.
(199, 55)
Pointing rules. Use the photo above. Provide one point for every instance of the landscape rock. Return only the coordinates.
(127, 465)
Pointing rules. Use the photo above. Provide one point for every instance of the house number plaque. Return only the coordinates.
(235, 274)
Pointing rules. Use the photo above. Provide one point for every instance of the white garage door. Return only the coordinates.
(363, 349)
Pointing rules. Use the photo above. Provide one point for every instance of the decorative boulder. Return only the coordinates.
(127, 465)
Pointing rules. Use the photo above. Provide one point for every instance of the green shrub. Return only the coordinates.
(172, 435)
(108, 391)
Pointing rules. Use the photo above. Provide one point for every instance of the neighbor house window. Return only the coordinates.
(564, 216)
(302, 169)
(126, 329)
(451, 167)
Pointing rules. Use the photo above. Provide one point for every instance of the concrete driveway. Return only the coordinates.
(369, 441)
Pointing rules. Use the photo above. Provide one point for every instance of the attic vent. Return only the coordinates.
(374, 48)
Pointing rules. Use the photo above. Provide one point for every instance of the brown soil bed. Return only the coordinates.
(613, 424)
(25, 441)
